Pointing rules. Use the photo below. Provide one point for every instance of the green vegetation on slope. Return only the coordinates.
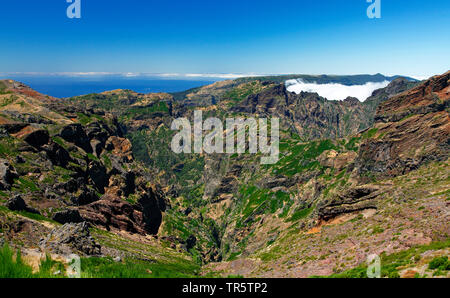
(297, 157)
(391, 264)
(241, 92)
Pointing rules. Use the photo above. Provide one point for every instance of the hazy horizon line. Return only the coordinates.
(189, 75)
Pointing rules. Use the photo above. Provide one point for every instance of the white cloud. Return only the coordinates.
(336, 91)
(421, 78)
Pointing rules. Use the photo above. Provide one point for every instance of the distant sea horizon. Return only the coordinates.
(68, 86)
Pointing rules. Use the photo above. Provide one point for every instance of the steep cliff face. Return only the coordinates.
(308, 114)
(412, 128)
(397, 86)
(315, 117)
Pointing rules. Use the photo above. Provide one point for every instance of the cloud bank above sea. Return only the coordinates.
(335, 91)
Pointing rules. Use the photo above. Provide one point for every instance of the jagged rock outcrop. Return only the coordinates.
(75, 133)
(355, 199)
(68, 216)
(57, 154)
(71, 238)
(143, 216)
(120, 147)
(97, 173)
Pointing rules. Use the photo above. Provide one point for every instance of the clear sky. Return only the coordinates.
(231, 36)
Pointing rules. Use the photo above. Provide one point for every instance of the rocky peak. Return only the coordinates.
(352, 100)
(397, 85)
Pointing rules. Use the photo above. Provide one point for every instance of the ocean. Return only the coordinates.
(66, 86)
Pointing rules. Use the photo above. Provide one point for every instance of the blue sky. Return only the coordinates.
(245, 36)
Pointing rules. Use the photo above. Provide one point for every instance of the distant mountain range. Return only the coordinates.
(327, 79)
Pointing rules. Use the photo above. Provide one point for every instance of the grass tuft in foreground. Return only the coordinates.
(12, 266)
(132, 268)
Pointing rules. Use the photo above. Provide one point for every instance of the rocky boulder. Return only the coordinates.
(57, 154)
(16, 203)
(7, 174)
(11, 127)
(74, 133)
(68, 216)
(120, 147)
(71, 238)
(112, 212)
(86, 196)
(33, 136)
(97, 174)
